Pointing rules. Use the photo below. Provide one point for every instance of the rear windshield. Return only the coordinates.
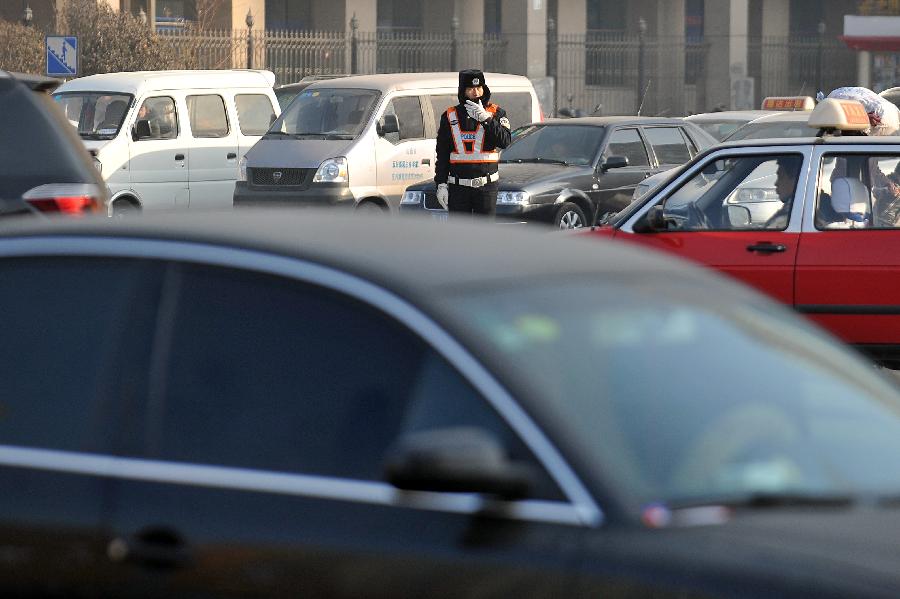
(327, 113)
(95, 115)
(773, 129)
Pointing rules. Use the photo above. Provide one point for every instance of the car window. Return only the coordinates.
(773, 130)
(627, 143)
(517, 106)
(255, 113)
(408, 111)
(160, 114)
(571, 144)
(719, 129)
(439, 105)
(95, 115)
(858, 191)
(322, 112)
(668, 144)
(738, 192)
(314, 383)
(74, 348)
(207, 116)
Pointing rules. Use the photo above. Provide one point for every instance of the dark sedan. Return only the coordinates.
(255, 406)
(566, 172)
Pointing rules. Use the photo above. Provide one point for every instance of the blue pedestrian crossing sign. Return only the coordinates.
(62, 56)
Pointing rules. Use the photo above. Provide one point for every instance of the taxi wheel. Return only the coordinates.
(570, 216)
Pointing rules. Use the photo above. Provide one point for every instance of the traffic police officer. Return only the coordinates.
(468, 143)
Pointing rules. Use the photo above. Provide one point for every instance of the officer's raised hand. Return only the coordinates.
(477, 111)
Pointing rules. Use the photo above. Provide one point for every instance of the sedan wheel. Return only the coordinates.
(570, 216)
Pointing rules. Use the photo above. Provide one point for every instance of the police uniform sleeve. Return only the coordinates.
(442, 164)
(497, 129)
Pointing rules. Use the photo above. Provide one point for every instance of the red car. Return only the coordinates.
(813, 222)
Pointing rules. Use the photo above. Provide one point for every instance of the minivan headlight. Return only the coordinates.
(333, 170)
(512, 197)
(242, 169)
(413, 197)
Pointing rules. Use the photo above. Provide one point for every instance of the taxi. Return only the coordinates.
(813, 222)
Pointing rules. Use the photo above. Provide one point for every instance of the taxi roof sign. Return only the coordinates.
(843, 115)
(788, 103)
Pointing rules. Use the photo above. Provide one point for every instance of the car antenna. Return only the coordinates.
(802, 87)
(643, 97)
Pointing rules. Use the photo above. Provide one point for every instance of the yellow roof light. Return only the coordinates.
(844, 115)
(788, 103)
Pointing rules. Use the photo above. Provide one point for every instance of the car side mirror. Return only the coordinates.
(653, 221)
(456, 460)
(388, 124)
(141, 130)
(614, 162)
(739, 217)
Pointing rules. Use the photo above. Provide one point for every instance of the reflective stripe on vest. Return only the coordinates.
(475, 138)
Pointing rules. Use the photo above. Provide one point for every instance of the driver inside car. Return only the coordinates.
(785, 186)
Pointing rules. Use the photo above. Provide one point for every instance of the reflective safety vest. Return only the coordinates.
(468, 145)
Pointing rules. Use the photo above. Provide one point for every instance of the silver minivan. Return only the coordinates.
(359, 141)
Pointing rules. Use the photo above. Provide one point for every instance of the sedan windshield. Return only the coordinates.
(677, 400)
(327, 113)
(569, 144)
(95, 115)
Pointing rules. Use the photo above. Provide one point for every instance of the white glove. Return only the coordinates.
(477, 111)
(443, 195)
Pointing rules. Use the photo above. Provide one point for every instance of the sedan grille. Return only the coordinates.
(279, 176)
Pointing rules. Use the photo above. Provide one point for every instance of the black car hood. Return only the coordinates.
(819, 552)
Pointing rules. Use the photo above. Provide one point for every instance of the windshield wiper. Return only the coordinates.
(538, 160)
(763, 500)
(96, 136)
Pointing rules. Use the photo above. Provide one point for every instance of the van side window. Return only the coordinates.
(207, 116)
(408, 111)
(255, 113)
(439, 105)
(517, 106)
(160, 113)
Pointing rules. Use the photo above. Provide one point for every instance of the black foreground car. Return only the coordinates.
(198, 405)
(566, 172)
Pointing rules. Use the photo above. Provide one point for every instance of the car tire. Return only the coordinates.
(570, 216)
(369, 208)
(124, 209)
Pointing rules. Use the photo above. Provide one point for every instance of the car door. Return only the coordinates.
(734, 212)
(846, 270)
(159, 162)
(213, 151)
(403, 157)
(75, 342)
(615, 186)
(260, 470)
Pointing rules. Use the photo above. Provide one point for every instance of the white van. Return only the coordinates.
(170, 139)
(360, 141)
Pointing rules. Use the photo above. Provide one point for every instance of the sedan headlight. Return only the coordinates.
(512, 197)
(413, 197)
(333, 170)
(242, 169)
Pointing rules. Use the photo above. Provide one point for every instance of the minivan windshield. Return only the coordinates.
(566, 144)
(326, 114)
(95, 115)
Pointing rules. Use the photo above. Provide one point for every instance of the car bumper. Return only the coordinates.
(505, 213)
(315, 196)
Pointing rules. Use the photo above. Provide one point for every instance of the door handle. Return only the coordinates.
(426, 161)
(179, 156)
(159, 549)
(766, 248)
(231, 155)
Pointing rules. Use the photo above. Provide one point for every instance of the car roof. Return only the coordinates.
(403, 81)
(38, 83)
(408, 256)
(830, 140)
(137, 81)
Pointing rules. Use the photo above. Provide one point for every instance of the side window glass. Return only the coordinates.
(207, 116)
(884, 178)
(68, 324)
(627, 143)
(668, 144)
(439, 105)
(858, 191)
(517, 106)
(161, 116)
(739, 192)
(409, 114)
(277, 392)
(255, 113)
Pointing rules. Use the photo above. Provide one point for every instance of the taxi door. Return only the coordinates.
(404, 157)
(847, 278)
(728, 213)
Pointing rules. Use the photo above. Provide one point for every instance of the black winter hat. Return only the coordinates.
(472, 78)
